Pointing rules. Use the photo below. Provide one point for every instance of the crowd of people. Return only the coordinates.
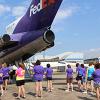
(88, 78)
(7, 73)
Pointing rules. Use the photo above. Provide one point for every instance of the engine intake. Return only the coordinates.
(6, 38)
(49, 36)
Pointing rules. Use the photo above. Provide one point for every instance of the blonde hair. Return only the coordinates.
(4, 65)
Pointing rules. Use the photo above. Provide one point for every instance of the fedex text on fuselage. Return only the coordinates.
(41, 5)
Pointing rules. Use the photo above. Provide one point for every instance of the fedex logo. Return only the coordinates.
(40, 5)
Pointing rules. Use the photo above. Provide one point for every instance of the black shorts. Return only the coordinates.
(89, 78)
(20, 82)
(79, 78)
(1, 82)
(6, 78)
(49, 78)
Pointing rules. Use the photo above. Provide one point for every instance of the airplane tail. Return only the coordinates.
(40, 14)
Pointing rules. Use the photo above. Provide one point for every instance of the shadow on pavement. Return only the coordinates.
(15, 94)
(63, 89)
(84, 98)
(59, 83)
(59, 78)
(31, 93)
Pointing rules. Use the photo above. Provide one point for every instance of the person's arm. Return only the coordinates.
(72, 72)
(16, 73)
(1, 74)
(86, 73)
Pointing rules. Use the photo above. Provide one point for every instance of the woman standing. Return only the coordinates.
(1, 80)
(5, 70)
(83, 82)
(20, 80)
(90, 71)
(38, 71)
(69, 76)
(96, 79)
(49, 72)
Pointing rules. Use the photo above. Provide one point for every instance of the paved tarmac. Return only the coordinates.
(59, 84)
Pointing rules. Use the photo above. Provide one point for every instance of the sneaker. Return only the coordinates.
(72, 90)
(85, 92)
(66, 90)
(81, 90)
(91, 93)
(18, 98)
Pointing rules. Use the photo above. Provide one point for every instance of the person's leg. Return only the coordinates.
(67, 81)
(37, 88)
(97, 93)
(6, 84)
(23, 91)
(78, 82)
(50, 85)
(88, 85)
(67, 85)
(92, 86)
(84, 87)
(1, 86)
(19, 91)
(80, 85)
(71, 82)
(40, 88)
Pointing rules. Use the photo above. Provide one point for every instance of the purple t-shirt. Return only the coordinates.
(69, 72)
(6, 71)
(96, 76)
(84, 72)
(49, 72)
(38, 72)
(78, 68)
(1, 72)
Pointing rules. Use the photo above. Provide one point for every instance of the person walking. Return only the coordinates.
(48, 73)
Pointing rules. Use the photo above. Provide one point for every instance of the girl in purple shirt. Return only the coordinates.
(96, 79)
(1, 79)
(38, 71)
(69, 76)
(49, 73)
(5, 75)
(83, 81)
